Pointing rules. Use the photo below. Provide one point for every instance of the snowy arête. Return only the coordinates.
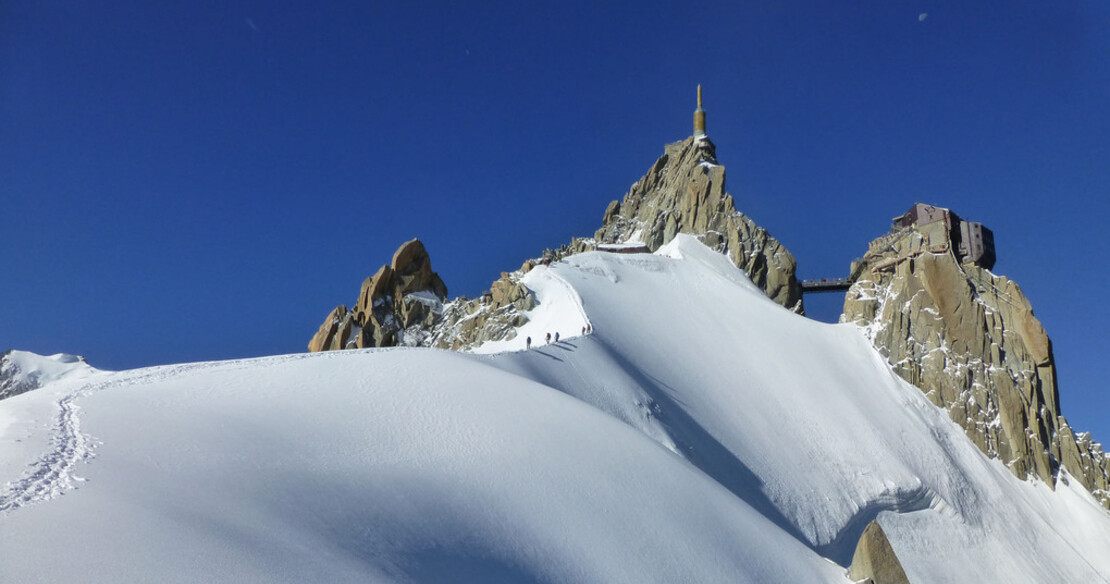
(700, 433)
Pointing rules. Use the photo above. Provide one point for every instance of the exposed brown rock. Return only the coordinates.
(375, 287)
(493, 317)
(399, 304)
(970, 341)
(1085, 460)
(684, 192)
(328, 337)
(412, 269)
(875, 561)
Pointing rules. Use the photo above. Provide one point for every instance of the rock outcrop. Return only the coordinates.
(399, 305)
(494, 316)
(334, 333)
(13, 380)
(874, 561)
(684, 192)
(21, 371)
(970, 341)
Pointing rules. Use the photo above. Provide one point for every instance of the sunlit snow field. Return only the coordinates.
(701, 433)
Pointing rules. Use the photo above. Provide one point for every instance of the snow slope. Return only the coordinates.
(22, 371)
(700, 434)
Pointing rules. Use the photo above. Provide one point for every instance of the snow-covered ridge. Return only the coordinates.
(701, 433)
(22, 371)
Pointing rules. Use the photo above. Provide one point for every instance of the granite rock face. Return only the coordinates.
(329, 337)
(404, 303)
(970, 341)
(874, 561)
(684, 192)
(494, 316)
(398, 305)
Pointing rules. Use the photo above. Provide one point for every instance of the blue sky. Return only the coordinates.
(184, 181)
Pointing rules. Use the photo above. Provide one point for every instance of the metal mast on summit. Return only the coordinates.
(699, 117)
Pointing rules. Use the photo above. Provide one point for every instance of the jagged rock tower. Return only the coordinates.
(396, 306)
(925, 296)
(684, 192)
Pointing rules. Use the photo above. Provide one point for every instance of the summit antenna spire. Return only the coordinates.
(699, 117)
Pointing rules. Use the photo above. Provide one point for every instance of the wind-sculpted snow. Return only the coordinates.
(701, 433)
(801, 420)
(401, 465)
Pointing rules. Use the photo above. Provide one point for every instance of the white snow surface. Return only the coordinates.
(559, 310)
(702, 433)
(23, 368)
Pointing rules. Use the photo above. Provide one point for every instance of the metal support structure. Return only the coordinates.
(826, 285)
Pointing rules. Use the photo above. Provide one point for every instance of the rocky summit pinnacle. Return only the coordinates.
(684, 192)
(925, 296)
(396, 306)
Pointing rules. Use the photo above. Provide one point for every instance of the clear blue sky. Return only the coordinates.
(193, 180)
